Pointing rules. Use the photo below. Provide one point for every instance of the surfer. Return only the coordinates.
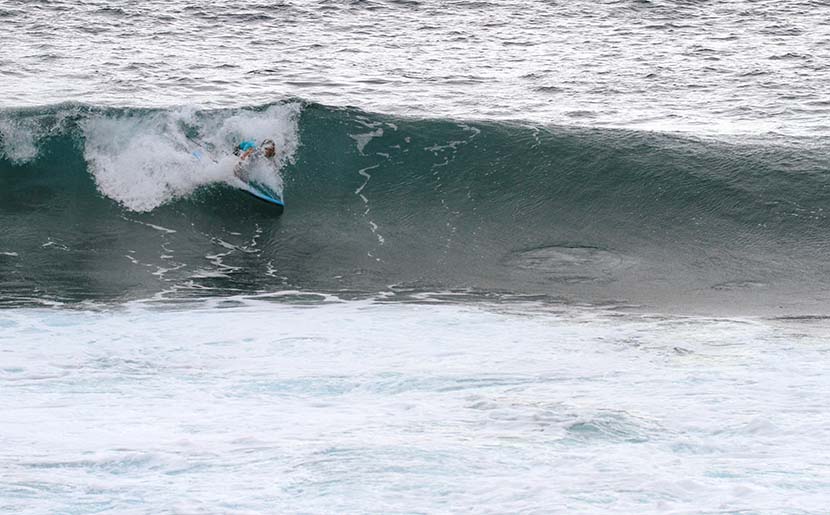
(249, 153)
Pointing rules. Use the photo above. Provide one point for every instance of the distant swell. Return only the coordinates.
(108, 204)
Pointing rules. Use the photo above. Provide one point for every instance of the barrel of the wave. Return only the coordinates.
(254, 170)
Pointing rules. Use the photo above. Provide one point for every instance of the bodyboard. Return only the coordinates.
(255, 189)
(261, 192)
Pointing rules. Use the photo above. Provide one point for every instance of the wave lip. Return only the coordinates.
(144, 158)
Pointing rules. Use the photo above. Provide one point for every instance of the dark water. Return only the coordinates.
(379, 203)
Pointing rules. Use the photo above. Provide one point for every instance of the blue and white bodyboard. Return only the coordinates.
(256, 189)
(260, 191)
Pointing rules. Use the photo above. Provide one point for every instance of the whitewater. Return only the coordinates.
(354, 407)
(535, 257)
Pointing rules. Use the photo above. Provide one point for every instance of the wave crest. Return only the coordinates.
(375, 200)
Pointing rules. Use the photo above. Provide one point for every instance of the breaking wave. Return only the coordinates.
(102, 203)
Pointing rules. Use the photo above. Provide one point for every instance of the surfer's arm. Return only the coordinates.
(239, 170)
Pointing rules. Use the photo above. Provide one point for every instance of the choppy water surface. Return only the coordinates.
(479, 297)
(744, 67)
(246, 406)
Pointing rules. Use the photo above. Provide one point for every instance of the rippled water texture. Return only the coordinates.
(466, 305)
(362, 407)
(745, 67)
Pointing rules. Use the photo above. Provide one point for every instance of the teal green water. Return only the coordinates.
(379, 203)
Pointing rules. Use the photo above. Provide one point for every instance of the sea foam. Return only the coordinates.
(147, 160)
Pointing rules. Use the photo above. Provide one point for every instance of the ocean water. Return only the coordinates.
(255, 405)
(536, 257)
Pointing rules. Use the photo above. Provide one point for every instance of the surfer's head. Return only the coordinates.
(268, 148)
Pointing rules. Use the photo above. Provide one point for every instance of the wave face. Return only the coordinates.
(108, 204)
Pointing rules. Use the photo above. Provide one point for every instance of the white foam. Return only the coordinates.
(357, 407)
(361, 140)
(18, 139)
(145, 161)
